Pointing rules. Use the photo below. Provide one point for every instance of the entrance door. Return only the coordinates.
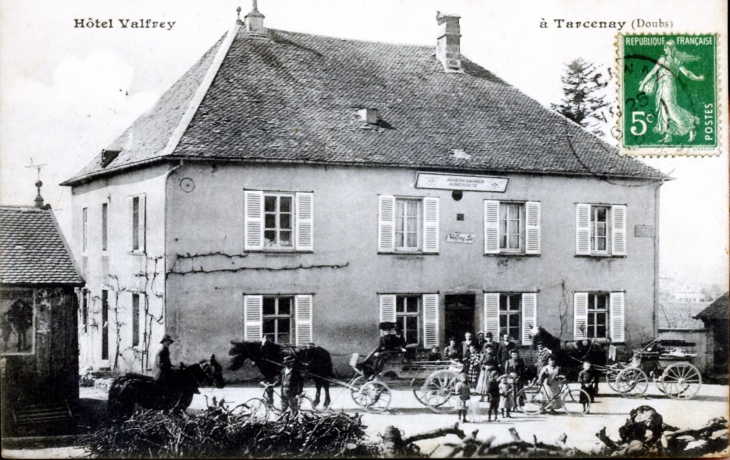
(459, 312)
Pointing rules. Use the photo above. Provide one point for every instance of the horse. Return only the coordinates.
(269, 358)
(175, 394)
(570, 355)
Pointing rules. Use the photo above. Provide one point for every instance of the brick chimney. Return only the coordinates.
(254, 21)
(448, 44)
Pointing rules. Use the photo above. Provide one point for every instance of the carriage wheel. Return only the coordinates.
(255, 408)
(438, 391)
(374, 396)
(355, 386)
(680, 381)
(611, 375)
(533, 399)
(572, 402)
(417, 385)
(632, 381)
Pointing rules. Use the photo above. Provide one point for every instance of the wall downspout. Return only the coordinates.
(164, 242)
(656, 257)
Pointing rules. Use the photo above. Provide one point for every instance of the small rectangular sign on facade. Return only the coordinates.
(461, 182)
(458, 237)
(643, 231)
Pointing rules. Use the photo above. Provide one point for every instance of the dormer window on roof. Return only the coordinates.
(369, 116)
(107, 156)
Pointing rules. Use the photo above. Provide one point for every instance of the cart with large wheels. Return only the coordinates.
(432, 382)
(667, 363)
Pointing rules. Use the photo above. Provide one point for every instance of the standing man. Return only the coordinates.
(468, 341)
(292, 385)
(480, 341)
(505, 349)
(490, 343)
(161, 365)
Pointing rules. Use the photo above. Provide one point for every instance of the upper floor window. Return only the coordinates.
(104, 225)
(510, 313)
(600, 230)
(136, 219)
(511, 228)
(408, 224)
(85, 229)
(598, 315)
(278, 221)
(284, 319)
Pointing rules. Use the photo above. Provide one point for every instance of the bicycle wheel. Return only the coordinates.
(576, 402)
(256, 409)
(534, 400)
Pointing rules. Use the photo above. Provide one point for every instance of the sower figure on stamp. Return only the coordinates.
(292, 385)
(672, 120)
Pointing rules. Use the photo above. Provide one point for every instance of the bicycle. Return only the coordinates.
(535, 399)
(261, 408)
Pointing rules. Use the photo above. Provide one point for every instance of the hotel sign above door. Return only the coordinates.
(461, 182)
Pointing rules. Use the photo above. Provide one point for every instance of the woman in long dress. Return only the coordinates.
(672, 120)
(549, 375)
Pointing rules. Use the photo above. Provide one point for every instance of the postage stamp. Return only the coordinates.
(668, 94)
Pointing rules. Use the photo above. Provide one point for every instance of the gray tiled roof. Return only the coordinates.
(294, 97)
(32, 250)
(716, 310)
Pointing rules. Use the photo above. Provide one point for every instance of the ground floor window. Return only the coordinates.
(277, 318)
(104, 324)
(408, 318)
(510, 306)
(599, 315)
(597, 324)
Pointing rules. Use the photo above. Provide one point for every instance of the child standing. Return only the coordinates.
(589, 383)
(506, 396)
(462, 389)
(493, 395)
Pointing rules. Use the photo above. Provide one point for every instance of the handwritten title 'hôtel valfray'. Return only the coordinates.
(92, 23)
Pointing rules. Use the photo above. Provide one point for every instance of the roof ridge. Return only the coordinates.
(351, 39)
(197, 99)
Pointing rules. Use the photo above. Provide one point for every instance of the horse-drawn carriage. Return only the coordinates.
(667, 363)
(432, 382)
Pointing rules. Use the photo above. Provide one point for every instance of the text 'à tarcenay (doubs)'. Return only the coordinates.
(92, 23)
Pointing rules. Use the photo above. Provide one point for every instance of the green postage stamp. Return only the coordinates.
(668, 94)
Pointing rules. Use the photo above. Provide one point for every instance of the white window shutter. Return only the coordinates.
(583, 229)
(431, 225)
(532, 227)
(142, 222)
(618, 230)
(387, 308)
(491, 227)
(253, 318)
(529, 316)
(580, 315)
(305, 222)
(618, 308)
(386, 223)
(130, 223)
(303, 320)
(430, 320)
(142, 319)
(253, 233)
(491, 313)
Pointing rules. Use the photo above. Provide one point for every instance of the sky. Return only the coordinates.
(67, 92)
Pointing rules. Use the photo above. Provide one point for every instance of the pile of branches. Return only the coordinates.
(220, 432)
(395, 445)
(645, 434)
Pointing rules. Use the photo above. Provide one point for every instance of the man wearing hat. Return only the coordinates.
(292, 385)
(162, 366)
(389, 343)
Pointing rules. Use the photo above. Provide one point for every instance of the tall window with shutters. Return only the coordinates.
(136, 221)
(510, 313)
(408, 224)
(416, 317)
(278, 221)
(512, 227)
(84, 229)
(600, 230)
(284, 319)
(598, 315)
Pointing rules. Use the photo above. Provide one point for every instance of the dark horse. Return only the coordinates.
(316, 362)
(176, 394)
(570, 355)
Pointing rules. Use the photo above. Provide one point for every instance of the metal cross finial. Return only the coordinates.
(37, 167)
